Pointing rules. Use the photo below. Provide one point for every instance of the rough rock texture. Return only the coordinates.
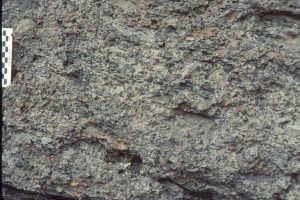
(154, 99)
(10, 193)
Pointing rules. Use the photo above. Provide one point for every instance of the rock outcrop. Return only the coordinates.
(160, 99)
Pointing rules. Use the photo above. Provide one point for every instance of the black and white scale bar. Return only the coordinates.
(6, 56)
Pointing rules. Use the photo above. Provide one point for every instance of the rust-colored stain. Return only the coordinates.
(52, 158)
(121, 145)
(73, 183)
(201, 33)
(145, 22)
(77, 194)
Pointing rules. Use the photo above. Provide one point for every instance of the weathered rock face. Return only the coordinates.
(155, 99)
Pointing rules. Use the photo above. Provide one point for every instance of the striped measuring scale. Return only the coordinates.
(6, 56)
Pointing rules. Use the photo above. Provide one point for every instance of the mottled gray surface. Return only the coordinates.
(154, 99)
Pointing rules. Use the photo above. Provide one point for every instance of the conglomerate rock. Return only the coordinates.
(154, 99)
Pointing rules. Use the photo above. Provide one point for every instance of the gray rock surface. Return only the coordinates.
(159, 99)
